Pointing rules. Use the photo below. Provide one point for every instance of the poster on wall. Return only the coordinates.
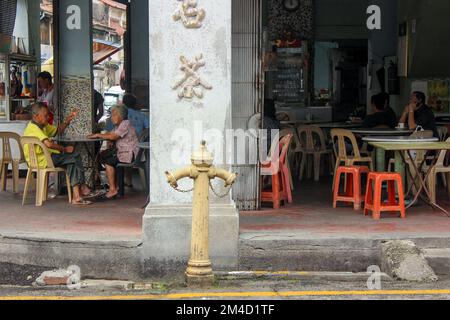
(439, 95)
(420, 85)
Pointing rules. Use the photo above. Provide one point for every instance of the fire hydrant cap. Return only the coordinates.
(202, 156)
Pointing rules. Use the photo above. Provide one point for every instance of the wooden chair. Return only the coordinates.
(277, 170)
(313, 144)
(347, 158)
(7, 159)
(34, 146)
(439, 168)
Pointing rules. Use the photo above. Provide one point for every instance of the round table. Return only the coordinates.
(398, 139)
(324, 125)
(381, 132)
(380, 153)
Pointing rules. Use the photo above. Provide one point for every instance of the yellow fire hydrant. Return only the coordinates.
(199, 270)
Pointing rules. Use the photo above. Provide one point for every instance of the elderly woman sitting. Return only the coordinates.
(124, 149)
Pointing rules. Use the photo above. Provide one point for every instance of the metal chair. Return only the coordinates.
(7, 159)
(139, 163)
(34, 146)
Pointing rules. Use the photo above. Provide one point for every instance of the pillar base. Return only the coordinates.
(199, 281)
(167, 238)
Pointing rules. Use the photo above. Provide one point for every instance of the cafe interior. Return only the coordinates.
(321, 67)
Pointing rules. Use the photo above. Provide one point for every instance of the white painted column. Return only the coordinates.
(167, 222)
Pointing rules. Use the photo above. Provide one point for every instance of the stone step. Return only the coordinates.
(439, 260)
(336, 255)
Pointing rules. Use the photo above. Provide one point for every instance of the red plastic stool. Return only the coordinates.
(373, 195)
(353, 193)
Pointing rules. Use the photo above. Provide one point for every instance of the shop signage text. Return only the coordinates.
(374, 20)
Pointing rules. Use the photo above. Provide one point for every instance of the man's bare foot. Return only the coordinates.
(85, 191)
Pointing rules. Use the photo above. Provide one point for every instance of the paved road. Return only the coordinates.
(253, 289)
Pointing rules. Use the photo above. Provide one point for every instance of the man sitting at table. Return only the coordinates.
(417, 113)
(124, 150)
(64, 157)
(387, 107)
(380, 117)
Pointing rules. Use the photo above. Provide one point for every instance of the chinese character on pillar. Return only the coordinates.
(191, 83)
(189, 13)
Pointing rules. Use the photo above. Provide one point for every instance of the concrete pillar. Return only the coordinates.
(139, 51)
(34, 14)
(175, 125)
(382, 43)
(75, 67)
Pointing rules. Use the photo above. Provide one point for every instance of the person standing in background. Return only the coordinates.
(47, 93)
(99, 108)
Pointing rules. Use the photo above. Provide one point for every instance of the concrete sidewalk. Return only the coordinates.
(105, 239)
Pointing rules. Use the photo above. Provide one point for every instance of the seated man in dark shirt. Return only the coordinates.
(387, 107)
(417, 113)
(380, 117)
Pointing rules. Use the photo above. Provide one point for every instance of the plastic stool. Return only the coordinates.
(353, 193)
(373, 195)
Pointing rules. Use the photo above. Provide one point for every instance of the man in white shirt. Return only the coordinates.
(45, 83)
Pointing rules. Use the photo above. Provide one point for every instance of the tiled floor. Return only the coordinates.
(311, 216)
(119, 220)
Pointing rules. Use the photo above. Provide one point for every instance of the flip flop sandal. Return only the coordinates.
(82, 203)
(105, 198)
(94, 194)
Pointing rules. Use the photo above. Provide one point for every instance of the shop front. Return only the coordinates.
(19, 64)
(212, 68)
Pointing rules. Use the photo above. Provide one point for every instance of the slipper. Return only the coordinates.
(93, 194)
(105, 198)
(82, 203)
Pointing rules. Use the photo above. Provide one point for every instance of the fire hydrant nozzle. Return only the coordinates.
(199, 271)
(229, 178)
(174, 177)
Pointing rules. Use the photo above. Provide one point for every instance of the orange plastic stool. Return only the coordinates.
(353, 192)
(373, 195)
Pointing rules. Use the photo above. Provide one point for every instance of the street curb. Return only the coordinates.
(299, 275)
